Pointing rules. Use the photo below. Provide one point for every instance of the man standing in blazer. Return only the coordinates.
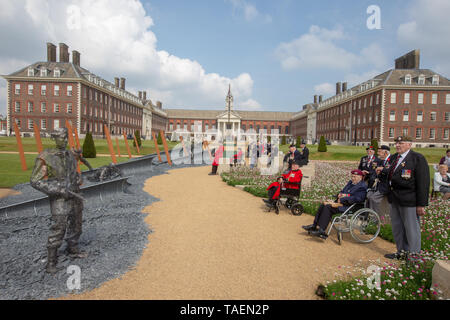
(368, 164)
(380, 187)
(409, 183)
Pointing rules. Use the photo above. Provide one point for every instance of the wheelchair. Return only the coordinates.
(363, 223)
(290, 199)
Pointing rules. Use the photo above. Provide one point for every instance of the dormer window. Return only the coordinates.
(435, 80)
(30, 72)
(57, 73)
(421, 79)
(408, 79)
(43, 72)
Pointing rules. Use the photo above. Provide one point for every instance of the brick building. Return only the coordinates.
(49, 93)
(406, 100)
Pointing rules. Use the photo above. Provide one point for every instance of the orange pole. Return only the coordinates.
(111, 149)
(19, 144)
(126, 144)
(76, 137)
(71, 142)
(166, 148)
(156, 146)
(137, 146)
(118, 149)
(37, 136)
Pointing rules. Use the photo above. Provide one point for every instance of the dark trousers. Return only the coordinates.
(323, 215)
(214, 169)
(66, 215)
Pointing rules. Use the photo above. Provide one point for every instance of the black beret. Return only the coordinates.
(385, 148)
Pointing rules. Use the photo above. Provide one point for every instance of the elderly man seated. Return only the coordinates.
(354, 192)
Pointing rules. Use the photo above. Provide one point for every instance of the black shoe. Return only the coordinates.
(310, 227)
(396, 256)
(76, 253)
(319, 233)
(211, 174)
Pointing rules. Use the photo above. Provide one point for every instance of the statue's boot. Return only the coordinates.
(75, 252)
(52, 261)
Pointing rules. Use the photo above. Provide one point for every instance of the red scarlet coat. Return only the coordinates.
(276, 184)
(219, 153)
(293, 176)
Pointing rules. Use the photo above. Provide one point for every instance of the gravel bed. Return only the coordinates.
(114, 235)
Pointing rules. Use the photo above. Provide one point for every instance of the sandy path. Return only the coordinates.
(213, 241)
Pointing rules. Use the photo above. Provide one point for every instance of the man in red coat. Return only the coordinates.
(290, 181)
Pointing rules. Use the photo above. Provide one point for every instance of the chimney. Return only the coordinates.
(315, 98)
(76, 58)
(145, 95)
(122, 83)
(51, 52)
(338, 88)
(116, 82)
(411, 60)
(344, 87)
(320, 98)
(63, 52)
(140, 94)
(159, 104)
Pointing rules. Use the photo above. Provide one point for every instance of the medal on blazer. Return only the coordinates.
(374, 165)
(406, 174)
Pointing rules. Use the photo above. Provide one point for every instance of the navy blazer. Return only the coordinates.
(357, 193)
(383, 184)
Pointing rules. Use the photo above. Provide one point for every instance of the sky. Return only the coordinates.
(276, 55)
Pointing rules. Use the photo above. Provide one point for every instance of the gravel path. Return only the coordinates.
(213, 241)
(114, 235)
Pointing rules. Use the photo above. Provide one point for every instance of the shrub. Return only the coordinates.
(137, 134)
(159, 139)
(322, 145)
(89, 150)
(374, 144)
(298, 142)
(283, 140)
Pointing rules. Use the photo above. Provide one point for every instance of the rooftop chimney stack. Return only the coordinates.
(338, 88)
(159, 104)
(145, 95)
(122, 83)
(140, 94)
(411, 60)
(63, 52)
(51, 52)
(76, 58)
(344, 87)
(320, 98)
(116, 82)
(315, 98)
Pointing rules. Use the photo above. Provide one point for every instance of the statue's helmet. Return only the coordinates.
(60, 133)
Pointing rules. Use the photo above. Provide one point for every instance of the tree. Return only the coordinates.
(322, 145)
(298, 142)
(137, 134)
(159, 139)
(374, 144)
(283, 140)
(89, 150)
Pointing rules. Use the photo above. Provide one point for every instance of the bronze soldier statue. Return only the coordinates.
(55, 174)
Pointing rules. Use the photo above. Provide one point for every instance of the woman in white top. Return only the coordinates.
(442, 181)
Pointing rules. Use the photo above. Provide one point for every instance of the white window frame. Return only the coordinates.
(44, 124)
(56, 108)
(56, 90)
(17, 107)
(421, 80)
(408, 79)
(30, 89)
(421, 133)
(30, 106)
(56, 124)
(30, 72)
(57, 73)
(43, 72)
(69, 108)
(393, 97)
(433, 116)
(447, 116)
(30, 124)
(405, 113)
(43, 107)
(434, 98)
(446, 133)
(432, 133)
(419, 117)
(43, 90)
(69, 91)
(435, 80)
(17, 89)
(447, 98)
(420, 98)
(407, 98)
(392, 115)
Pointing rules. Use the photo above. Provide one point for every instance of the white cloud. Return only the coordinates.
(250, 104)
(115, 40)
(325, 88)
(427, 28)
(319, 49)
(250, 12)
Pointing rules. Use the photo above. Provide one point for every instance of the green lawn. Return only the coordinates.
(11, 169)
(353, 153)
(101, 145)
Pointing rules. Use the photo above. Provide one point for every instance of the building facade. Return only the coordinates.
(406, 100)
(48, 94)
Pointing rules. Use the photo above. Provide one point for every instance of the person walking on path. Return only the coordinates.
(409, 181)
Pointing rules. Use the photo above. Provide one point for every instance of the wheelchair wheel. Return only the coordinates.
(297, 209)
(365, 225)
(289, 203)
